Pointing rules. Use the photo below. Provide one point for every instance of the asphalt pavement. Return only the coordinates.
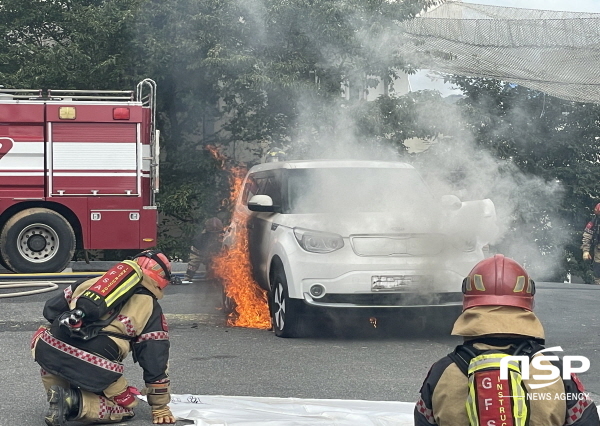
(350, 361)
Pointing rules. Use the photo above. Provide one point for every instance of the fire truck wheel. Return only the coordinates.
(285, 312)
(37, 240)
(4, 265)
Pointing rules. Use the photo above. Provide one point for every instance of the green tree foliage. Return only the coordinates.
(67, 44)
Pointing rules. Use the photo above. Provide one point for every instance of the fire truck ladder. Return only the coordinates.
(67, 95)
(20, 94)
(146, 94)
(92, 95)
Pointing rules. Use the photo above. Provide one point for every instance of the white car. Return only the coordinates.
(357, 236)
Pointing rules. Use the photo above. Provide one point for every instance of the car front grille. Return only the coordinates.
(397, 245)
(391, 299)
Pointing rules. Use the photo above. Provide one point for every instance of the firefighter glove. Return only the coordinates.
(586, 255)
(161, 414)
(127, 398)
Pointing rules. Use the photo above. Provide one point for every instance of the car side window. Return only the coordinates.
(272, 188)
(263, 184)
(250, 189)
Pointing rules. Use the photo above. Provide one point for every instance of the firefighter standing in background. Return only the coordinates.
(204, 246)
(81, 366)
(589, 245)
(497, 320)
(275, 154)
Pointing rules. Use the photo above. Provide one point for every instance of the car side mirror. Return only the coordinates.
(451, 202)
(261, 203)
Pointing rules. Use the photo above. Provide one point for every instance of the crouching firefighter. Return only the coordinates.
(94, 324)
(477, 385)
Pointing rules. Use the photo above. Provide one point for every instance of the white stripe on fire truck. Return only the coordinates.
(93, 174)
(96, 169)
(41, 173)
(101, 155)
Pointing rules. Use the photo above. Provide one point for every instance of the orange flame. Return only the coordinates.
(233, 268)
(217, 154)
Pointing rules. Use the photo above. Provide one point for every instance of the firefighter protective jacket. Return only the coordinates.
(444, 394)
(589, 233)
(208, 243)
(95, 364)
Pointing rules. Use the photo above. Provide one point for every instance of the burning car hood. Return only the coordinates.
(346, 224)
(472, 220)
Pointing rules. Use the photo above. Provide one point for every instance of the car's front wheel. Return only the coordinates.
(285, 312)
(227, 302)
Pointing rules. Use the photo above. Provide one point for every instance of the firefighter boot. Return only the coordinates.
(64, 404)
(188, 278)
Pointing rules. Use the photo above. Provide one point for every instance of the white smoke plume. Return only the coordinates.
(451, 166)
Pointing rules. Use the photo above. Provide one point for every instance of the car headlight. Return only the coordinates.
(318, 242)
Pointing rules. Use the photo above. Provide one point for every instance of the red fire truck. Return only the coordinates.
(78, 169)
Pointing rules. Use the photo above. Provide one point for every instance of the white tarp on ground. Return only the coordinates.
(213, 410)
(218, 410)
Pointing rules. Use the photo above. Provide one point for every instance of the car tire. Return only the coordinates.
(285, 312)
(37, 240)
(227, 302)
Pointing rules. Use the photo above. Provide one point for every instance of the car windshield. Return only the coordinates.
(331, 190)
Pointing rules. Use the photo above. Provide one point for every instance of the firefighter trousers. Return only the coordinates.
(596, 265)
(198, 258)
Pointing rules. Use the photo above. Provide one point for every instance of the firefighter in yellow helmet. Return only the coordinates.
(466, 386)
(94, 324)
(589, 243)
(275, 154)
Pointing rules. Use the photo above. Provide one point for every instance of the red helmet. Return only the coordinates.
(498, 281)
(156, 265)
(597, 209)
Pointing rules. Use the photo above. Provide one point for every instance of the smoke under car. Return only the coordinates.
(362, 237)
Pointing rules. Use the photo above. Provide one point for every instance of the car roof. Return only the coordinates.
(319, 164)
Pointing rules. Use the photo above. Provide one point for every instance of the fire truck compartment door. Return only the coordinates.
(114, 229)
(94, 159)
(22, 151)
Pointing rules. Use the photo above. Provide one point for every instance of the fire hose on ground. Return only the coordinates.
(46, 286)
(16, 281)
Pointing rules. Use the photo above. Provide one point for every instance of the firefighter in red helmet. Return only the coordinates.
(93, 325)
(467, 387)
(589, 244)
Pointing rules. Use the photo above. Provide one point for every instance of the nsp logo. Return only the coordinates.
(543, 363)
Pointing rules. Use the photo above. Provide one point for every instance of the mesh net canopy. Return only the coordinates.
(554, 52)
